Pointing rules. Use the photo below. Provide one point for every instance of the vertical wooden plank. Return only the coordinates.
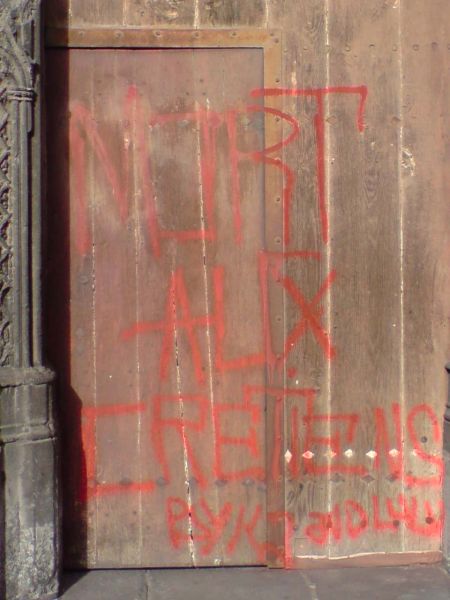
(232, 13)
(424, 156)
(160, 13)
(117, 435)
(304, 68)
(366, 304)
(91, 13)
(271, 268)
(237, 375)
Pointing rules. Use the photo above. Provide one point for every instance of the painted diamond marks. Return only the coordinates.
(308, 455)
(288, 456)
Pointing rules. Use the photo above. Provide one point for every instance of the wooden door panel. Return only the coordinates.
(158, 217)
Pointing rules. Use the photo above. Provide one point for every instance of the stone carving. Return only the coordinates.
(19, 10)
(6, 349)
(17, 21)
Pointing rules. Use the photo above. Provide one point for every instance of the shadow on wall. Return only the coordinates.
(56, 252)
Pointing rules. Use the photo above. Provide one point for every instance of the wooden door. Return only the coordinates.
(353, 414)
(158, 304)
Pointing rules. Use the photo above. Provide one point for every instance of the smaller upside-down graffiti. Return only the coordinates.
(351, 520)
(225, 529)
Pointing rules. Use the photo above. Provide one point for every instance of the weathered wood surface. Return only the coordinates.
(167, 13)
(171, 438)
(304, 67)
(378, 283)
(232, 13)
(424, 202)
(365, 249)
(159, 13)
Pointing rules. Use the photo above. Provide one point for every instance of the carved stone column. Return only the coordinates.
(29, 485)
